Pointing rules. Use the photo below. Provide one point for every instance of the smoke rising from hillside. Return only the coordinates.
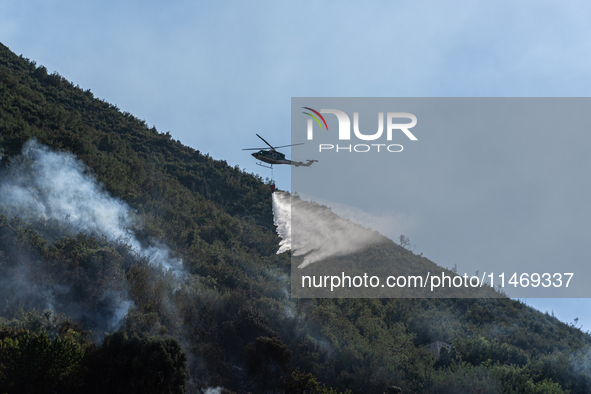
(42, 184)
(319, 233)
(213, 390)
(57, 194)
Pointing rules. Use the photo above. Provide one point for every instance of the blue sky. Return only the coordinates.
(216, 73)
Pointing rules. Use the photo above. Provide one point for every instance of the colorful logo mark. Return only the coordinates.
(315, 118)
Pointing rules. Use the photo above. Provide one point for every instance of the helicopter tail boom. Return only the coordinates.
(308, 164)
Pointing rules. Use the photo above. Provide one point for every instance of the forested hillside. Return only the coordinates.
(131, 263)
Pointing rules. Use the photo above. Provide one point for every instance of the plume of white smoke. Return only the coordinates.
(44, 186)
(211, 390)
(315, 232)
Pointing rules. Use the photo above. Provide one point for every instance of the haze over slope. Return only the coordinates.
(233, 317)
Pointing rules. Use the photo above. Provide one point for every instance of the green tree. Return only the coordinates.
(148, 365)
(34, 363)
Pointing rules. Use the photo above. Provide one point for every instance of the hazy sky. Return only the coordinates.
(216, 73)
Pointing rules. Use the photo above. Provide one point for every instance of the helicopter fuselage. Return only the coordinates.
(271, 157)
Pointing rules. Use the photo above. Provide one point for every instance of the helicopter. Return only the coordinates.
(272, 156)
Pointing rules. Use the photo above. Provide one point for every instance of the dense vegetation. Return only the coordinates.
(230, 321)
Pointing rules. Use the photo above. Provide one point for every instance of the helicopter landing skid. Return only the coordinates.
(262, 165)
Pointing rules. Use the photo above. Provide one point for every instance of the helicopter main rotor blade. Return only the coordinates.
(265, 141)
(284, 146)
(255, 149)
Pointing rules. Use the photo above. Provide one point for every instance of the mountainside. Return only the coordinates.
(132, 263)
